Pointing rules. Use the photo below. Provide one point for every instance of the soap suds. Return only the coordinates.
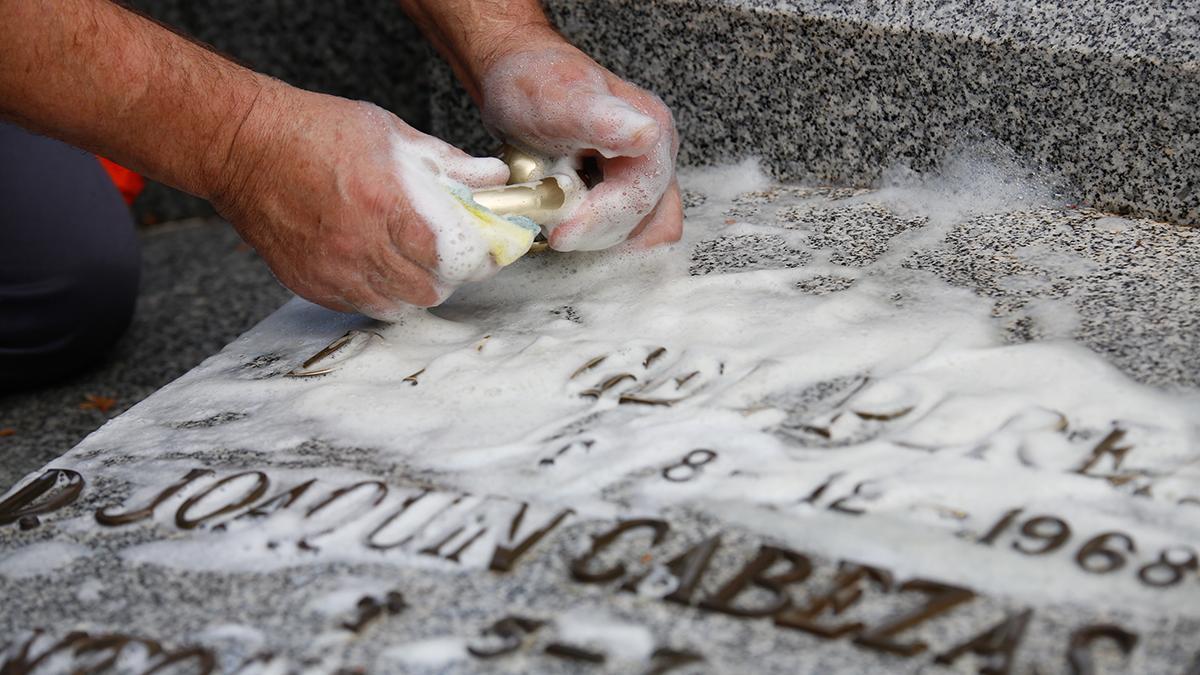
(617, 639)
(472, 243)
(971, 181)
(724, 183)
(431, 653)
(462, 249)
(41, 558)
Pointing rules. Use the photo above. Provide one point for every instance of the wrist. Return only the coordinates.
(478, 59)
(243, 137)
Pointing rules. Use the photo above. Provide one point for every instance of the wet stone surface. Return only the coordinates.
(745, 252)
(1132, 283)
(855, 235)
(694, 512)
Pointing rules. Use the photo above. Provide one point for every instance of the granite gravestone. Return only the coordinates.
(833, 431)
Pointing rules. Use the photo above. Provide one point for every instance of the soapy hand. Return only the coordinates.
(350, 207)
(551, 98)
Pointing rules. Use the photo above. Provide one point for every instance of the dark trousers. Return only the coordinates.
(69, 260)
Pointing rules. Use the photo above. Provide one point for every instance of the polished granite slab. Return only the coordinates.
(972, 450)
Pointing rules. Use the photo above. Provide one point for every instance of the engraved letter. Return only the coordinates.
(204, 659)
(1107, 446)
(20, 504)
(846, 592)
(503, 558)
(113, 519)
(755, 572)
(20, 663)
(997, 646)
(1077, 654)
(688, 567)
(942, 598)
(579, 567)
(383, 546)
(261, 484)
(114, 643)
(380, 492)
(504, 637)
(279, 502)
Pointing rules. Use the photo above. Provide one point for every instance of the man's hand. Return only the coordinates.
(539, 92)
(348, 204)
(549, 97)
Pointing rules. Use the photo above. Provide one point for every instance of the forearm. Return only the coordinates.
(105, 79)
(470, 33)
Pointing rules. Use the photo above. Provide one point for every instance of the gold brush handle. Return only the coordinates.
(531, 191)
(538, 201)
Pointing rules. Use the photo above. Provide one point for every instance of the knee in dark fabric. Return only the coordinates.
(69, 260)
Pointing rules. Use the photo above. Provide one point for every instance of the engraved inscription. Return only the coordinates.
(755, 573)
(426, 522)
(1102, 553)
(100, 652)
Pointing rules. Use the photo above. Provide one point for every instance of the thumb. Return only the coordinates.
(617, 129)
(477, 172)
(442, 159)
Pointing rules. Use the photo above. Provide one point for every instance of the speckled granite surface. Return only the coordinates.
(1102, 96)
(1156, 29)
(364, 50)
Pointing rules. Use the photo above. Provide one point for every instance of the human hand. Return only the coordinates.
(551, 98)
(348, 204)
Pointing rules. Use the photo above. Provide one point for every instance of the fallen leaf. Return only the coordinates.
(101, 403)
(7, 431)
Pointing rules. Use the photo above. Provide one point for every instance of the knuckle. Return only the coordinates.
(340, 250)
(426, 293)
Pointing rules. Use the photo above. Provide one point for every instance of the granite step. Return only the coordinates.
(1100, 96)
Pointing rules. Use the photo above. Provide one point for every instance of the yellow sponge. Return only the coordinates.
(508, 237)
